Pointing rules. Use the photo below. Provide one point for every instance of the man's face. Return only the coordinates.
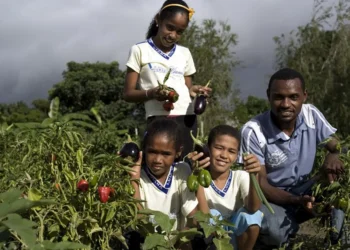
(286, 98)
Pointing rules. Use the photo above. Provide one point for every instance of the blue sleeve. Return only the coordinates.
(250, 144)
(323, 128)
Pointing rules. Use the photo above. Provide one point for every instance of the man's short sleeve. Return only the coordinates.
(134, 60)
(323, 128)
(251, 144)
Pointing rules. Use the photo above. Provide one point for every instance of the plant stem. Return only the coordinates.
(41, 232)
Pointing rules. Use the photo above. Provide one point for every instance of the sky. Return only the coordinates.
(38, 37)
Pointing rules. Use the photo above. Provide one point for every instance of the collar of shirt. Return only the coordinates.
(274, 133)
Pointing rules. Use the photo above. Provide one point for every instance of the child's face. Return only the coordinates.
(224, 150)
(160, 155)
(170, 30)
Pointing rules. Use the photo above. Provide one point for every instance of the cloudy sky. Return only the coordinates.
(38, 37)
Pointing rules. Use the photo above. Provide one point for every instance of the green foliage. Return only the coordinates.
(320, 50)
(87, 85)
(211, 45)
(13, 225)
(253, 106)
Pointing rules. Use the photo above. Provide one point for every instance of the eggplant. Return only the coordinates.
(200, 147)
(130, 150)
(200, 104)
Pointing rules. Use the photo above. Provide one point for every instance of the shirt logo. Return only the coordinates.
(276, 158)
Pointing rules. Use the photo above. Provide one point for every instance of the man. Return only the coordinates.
(285, 139)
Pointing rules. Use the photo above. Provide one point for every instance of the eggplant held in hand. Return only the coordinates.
(200, 147)
(201, 102)
(130, 150)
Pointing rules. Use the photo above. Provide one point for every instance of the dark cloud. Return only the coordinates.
(39, 37)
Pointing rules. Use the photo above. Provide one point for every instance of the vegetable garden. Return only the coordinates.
(63, 186)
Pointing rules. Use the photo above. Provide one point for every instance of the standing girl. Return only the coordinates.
(150, 60)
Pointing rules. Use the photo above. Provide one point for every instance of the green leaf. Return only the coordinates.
(154, 240)
(34, 194)
(23, 227)
(21, 205)
(64, 245)
(202, 217)
(54, 108)
(10, 195)
(110, 214)
(208, 229)
(161, 219)
(223, 244)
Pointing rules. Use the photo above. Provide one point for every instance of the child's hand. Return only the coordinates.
(155, 93)
(136, 173)
(194, 156)
(199, 89)
(251, 163)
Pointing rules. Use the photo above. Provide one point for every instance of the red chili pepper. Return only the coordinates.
(104, 193)
(168, 106)
(173, 96)
(83, 185)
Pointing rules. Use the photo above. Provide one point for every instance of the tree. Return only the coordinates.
(244, 111)
(87, 85)
(211, 45)
(320, 50)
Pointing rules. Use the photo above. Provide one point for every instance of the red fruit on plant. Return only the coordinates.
(173, 96)
(168, 106)
(104, 193)
(83, 185)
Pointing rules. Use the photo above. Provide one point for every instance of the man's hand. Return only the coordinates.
(307, 202)
(333, 166)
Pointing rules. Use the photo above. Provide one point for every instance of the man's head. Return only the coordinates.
(286, 94)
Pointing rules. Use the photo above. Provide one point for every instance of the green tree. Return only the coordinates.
(86, 85)
(320, 50)
(244, 111)
(42, 104)
(211, 45)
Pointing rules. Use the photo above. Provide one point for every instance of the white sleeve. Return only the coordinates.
(190, 67)
(134, 60)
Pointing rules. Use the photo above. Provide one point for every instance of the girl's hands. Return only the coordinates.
(199, 89)
(251, 163)
(155, 93)
(194, 156)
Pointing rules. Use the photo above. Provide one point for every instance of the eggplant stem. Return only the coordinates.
(259, 191)
(208, 83)
(186, 156)
(129, 138)
(195, 140)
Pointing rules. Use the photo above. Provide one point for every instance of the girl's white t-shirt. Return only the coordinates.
(232, 196)
(173, 198)
(152, 65)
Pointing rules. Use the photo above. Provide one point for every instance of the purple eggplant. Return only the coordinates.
(200, 147)
(200, 104)
(130, 150)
